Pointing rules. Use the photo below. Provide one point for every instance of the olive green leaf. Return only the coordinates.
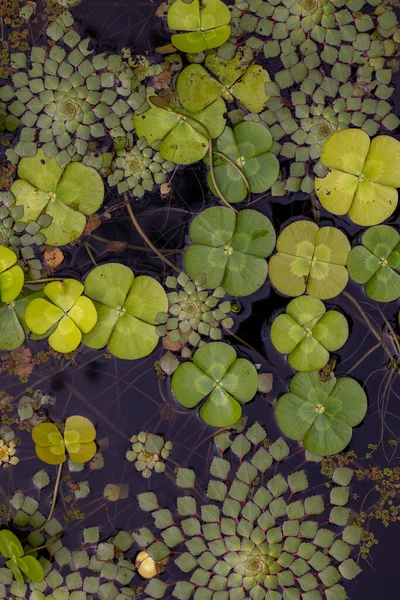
(12, 325)
(230, 249)
(64, 316)
(183, 141)
(78, 440)
(204, 27)
(307, 333)
(321, 414)
(310, 260)
(66, 195)
(218, 375)
(376, 263)
(127, 307)
(248, 145)
(363, 178)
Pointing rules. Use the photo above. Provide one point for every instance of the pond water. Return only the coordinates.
(123, 397)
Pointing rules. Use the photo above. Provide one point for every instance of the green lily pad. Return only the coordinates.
(204, 28)
(78, 441)
(230, 249)
(218, 376)
(66, 195)
(197, 89)
(65, 317)
(182, 140)
(311, 260)
(248, 146)
(11, 275)
(127, 307)
(321, 414)
(376, 263)
(363, 178)
(11, 548)
(307, 333)
(12, 325)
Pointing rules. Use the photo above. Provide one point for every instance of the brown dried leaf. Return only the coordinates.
(23, 361)
(265, 382)
(92, 223)
(53, 258)
(115, 246)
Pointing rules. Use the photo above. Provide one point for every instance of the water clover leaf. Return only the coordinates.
(78, 441)
(218, 376)
(363, 178)
(66, 195)
(321, 413)
(248, 146)
(207, 27)
(310, 260)
(376, 263)
(197, 89)
(64, 316)
(230, 249)
(127, 307)
(12, 325)
(307, 333)
(11, 275)
(182, 140)
(11, 548)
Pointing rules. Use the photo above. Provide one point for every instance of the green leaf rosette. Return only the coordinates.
(307, 333)
(230, 249)
(310, 260)
(248, 145)
(218, 377)
(64, 316)
(321, 414)
(66, 195)
(363, 178)
(376, 263)
(203, 27)
(127, 307)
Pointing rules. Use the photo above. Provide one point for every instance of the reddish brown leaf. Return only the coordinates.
(53, 258)
(115, 246)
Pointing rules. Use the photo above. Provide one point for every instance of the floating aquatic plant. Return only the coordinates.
(11, 276)
(16, 233)
(149, 453)
(321, 414)
(262, 534)
(218, 377)
(66, 195)
(137, 169)
(248, 145)
(77, 439)
(376, 263)
(310, 260)
(230, 249)
(306, 332)
(7, 456)
(183, 141)
(13, 328)
(363, 178)
(64, 315)
(193, 313)
(127, 307)
(18, 561)
(204, 26)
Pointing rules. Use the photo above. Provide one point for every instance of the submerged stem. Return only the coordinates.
(148, 242)
(55, 494)
(45, 280)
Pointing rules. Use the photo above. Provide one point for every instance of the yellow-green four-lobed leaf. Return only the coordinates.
(203, 26)
(78, 440)
(64, 315)
(12, 325)
(127, 307)
(363, 178)
(310, 259)
(11, 276)
(66, 195)
(218, 377)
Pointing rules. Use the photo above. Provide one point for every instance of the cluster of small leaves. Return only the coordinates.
(149, 452)
(262, 535)
(98, 569)
(20, 236)
(193, 314)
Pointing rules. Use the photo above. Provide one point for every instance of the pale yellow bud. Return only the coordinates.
(146, 565)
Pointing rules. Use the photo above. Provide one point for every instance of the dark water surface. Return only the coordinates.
(124, 397)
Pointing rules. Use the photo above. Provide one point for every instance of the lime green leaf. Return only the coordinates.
(10, 546)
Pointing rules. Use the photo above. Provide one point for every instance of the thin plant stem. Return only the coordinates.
(55, 494)
(30, 281)
(148, 242)
(49, 543)
(131, 247)
(242, 175)
(88, 250)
